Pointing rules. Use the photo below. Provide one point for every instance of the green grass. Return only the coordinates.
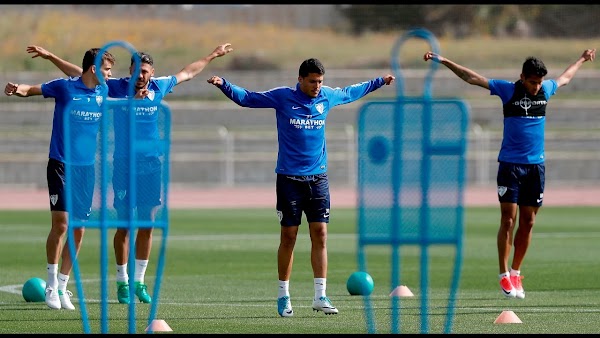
(221, 277)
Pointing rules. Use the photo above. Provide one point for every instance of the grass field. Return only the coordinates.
(221, 277)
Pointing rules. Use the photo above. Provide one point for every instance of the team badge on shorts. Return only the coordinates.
(121, 194)
(502, 191)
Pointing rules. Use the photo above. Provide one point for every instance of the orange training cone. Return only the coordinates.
(507, 317)
(159, 325)
(402, 291)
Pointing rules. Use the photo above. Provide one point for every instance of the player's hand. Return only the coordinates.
(10, 89)
(142, 93)
(38, 52)
(222, 49)
(433, 56)
(589, 54)
(389, 79)
(215, 80)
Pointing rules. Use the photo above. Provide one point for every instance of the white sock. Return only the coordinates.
(507, 274)
(515, 272)
(122, 275)
(52, 281)
(284, 288)
(62, 282)
(320, 286)
(140, 270)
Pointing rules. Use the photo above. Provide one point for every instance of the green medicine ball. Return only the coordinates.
(34, 290)
(360, 283)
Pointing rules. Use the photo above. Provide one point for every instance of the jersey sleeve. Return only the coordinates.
(166, 84)
(250, 99)
(550, 87)
(353, 92)
(114, 87)
(53, 88)
(502, 88)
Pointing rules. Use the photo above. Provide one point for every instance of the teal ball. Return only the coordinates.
(34, 290)
(360, 283)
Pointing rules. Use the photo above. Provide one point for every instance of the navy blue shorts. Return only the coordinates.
(521, 183)
(298, 194)
(83, 179)
(148, 183)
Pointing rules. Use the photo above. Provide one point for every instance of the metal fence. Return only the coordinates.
(220, 143)
(217, 156)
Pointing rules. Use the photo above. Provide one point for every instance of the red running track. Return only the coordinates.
(261, 197)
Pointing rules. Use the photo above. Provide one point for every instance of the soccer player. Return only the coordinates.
(148, 164)
(84, 96)
(521, 169)
(302, 184)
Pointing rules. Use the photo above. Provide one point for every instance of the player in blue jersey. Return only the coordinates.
(521, 169)
(83, 96)
(302, 184)
(148, 163)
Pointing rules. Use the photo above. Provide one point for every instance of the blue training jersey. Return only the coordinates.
(85, 113)
(146, 114)
(300, 120)
(523, 134)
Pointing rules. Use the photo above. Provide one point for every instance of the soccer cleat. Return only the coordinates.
(65, 300)
(52, 299)
(123, 292)
(324, 304)
(507, 288)
(518, 285)
(141, 293)
(284, 306)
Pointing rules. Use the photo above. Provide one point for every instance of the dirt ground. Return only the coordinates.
(189, 198)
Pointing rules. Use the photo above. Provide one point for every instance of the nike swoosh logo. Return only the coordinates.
(289, 312)
(505, 292)
(76, 98)
(539, 200)
(296, 107)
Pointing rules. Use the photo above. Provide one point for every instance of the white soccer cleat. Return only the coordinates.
(65, 300)
(518, 285)
(284, 307)
(324, 304)
(52, 299)
(507, 288)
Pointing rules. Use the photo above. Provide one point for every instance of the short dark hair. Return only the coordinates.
(311, 66)
(90, 57)
(534, 66)
(144, 58)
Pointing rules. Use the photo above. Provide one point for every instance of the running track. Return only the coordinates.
(261, 197)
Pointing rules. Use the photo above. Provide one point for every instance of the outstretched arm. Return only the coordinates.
(567, 75)
(190, 71)
(468, 75)
(66, 67)
(22, 90)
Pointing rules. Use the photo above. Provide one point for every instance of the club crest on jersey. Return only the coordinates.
(502, 190)
(53, 199)
(121, 194)
(99, 100)
(151, 95)
(320, 108)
